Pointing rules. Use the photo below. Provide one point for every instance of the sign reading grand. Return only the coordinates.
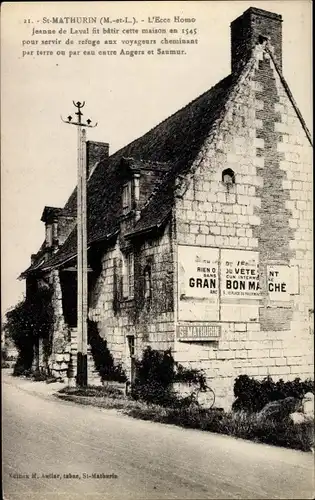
(198, 281)
(227, 284)
(240, 277)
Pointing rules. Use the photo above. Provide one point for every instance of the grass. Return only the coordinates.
(101, 397)
(93, 391)
(238, 424)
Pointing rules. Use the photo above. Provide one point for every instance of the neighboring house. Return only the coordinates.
(200, 231)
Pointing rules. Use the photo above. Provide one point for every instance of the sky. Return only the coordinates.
(126, 96)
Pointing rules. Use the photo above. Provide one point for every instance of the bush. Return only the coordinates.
(103, 359)
(20, 370)
(29, 320)
(156, 373)
(23, 365)
(252, 395)
(190, 376)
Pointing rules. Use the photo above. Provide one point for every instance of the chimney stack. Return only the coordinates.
(251, 28)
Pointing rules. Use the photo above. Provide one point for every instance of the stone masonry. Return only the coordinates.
(149, 319)
(268, 209)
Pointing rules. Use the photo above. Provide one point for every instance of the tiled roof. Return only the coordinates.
(37, 261)
(171, 146)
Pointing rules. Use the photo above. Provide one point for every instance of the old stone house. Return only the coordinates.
(200, 231)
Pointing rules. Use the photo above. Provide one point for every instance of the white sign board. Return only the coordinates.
(283, 281)
(226, 285)
(198, 282)
(240, 274)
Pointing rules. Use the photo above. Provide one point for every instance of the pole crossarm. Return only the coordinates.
(78, 123)
(82, 266)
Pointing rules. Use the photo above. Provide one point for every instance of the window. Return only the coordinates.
(49, 235)
(131, 356)
(128, 287)
(147, 282)
(131, 345)
(228, 177)
(126, 198)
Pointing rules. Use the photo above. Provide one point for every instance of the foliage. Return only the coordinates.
(190, 376)
(6, 360)
(252, 395)
(10, 358)
(103, 359)
(93, 391)
(240, 424)
(157, 372)
(29, 320)
(40, 376)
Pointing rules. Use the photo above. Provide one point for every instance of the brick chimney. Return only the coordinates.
(95, 152)
(252, 27)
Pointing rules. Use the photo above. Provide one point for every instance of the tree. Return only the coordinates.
(30, 320)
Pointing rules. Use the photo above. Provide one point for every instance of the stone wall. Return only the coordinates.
(60, 357)
(148, 318)
(268, 210)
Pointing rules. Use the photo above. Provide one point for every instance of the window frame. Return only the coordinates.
(231, 174)
(49, 235)
(147, 278)
(129, 276)
(126, 198)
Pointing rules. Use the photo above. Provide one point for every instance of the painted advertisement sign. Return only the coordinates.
(240, 277)
(227, 284)
(283, 281)
(198, 283)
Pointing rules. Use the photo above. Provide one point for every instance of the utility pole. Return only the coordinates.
(82, 282)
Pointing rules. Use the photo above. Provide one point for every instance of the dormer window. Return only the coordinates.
(50, 217)
(126, 198)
